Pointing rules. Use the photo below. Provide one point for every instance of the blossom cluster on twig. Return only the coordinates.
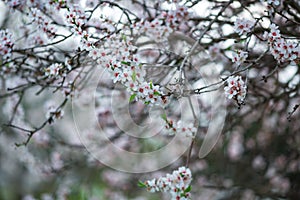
(177, 184)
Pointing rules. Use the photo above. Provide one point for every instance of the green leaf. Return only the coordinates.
(124, 37)
(98, 190)
(151, 85)
(142, 184)
(156, 93)
(164, 116)
(83, 194)
(132, 97)
(228, 48)
(243, 40)
(125, 63)
(188, 189)
(133, 76)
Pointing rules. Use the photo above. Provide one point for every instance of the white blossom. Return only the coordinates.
(53, 70)
(176, 184)
(283, 50)
(243, 26)
(239, 57)
(235, 89)
(6, 44)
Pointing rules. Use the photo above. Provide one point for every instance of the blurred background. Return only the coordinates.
(257, 155)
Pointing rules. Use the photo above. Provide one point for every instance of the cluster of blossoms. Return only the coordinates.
(58, 4)
(189, 130)
(126, 69)
(160, 28)
(154, 30)
(236, 89)
(243, 26)
(6, 44)
(45, 5)
(148, 93)
(173, 18)
(76, 17)
(239, 57)
(118, 46)
(177, 183)
(281, 49)
(42, 22)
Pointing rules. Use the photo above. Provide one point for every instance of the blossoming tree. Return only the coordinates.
(193, 99)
